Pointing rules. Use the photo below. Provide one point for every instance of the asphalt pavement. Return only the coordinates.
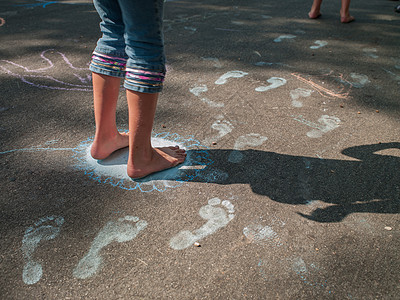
(291, 188)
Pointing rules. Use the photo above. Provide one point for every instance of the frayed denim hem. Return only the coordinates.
(119, 74)
(143, 89)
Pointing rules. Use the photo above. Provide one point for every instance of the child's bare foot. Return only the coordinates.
(314, 14)
(347, 19)
(102, 148)
(160, 159)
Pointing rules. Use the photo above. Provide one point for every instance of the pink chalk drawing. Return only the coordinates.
(57, 74)
(341, 91)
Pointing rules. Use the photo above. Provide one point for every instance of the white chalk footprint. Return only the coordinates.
(262, 234)
(199, 89)
(319, 44)
(119, 231)
(275, 82)
(223, 127)
(231, 74)
(43, 230)
(371, 52)
(218, 214)
(284, 37)
(252, 140)
(191, 29)
(328, 123)
(297, 93)
(361, 80)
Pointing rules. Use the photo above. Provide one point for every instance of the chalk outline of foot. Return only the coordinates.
(297, 93)
(319, 44)
(41, 230)
(251, 139)
(202, 88)
(299, 266)
(330, 122)
(231, 74)
(223, 126)
(284, 37)
(260, 234)
(362, 80)
(217, 213)
(114, 231)
(192, 30)
(275, 82)
(371, 52)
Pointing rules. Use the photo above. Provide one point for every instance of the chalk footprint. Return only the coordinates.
(319, 44)
(371, 52)
(329, 123)
(218, 214)
(262, 235)
(223, 127)
(284, 37)
(252, 140)
(275, 82)
(119, 231)
(361, 80)
(297, 93)
(231, 74)
(45, 229)
(199, 89)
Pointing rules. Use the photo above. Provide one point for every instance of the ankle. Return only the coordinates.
(344, 14)
(104, 136)
(141, 153)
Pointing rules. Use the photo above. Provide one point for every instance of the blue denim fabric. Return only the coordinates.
(132, 44)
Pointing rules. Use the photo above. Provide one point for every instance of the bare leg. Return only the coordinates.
(315, 9)
(345, 16)
(143, 158)
(107, 138)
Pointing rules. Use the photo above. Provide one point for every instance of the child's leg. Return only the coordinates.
(105, 95)
(143, 158)
(345, 16)
(145, 71)
(315, 9)
(108, 67)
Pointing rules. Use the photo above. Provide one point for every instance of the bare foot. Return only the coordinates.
(314, 14)
(101, 149)
(347, 19)
(161, 159)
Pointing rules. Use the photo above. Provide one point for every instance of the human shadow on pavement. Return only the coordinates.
(371, 184)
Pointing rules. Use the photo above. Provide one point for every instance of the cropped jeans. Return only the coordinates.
(132, 44)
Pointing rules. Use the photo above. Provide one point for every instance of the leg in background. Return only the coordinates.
(345, 16)
(315, 9)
